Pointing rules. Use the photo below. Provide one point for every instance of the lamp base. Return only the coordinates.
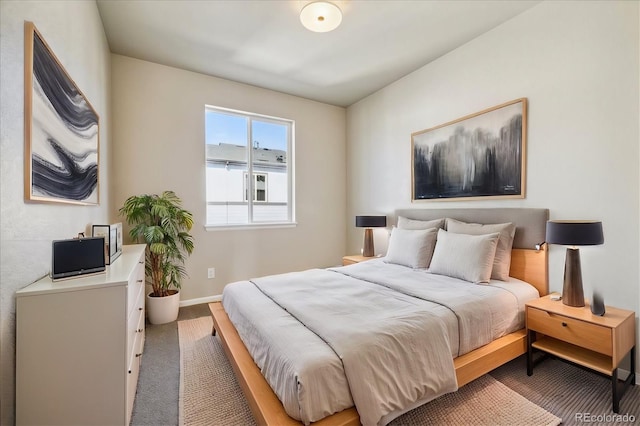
(367, 250)
(572, 293)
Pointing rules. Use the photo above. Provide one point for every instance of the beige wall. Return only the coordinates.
(577, 63)
(158, 133)
(74, 32)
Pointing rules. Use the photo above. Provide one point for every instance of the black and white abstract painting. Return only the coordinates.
(480, 155)
(61, 130)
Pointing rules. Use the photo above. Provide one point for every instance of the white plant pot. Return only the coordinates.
(162, 310)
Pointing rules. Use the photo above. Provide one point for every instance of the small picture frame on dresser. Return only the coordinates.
(115, 233)
(112, 240)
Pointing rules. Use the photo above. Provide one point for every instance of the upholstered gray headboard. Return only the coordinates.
(530, 222)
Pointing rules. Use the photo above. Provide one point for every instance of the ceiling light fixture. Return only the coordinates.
(321, 16)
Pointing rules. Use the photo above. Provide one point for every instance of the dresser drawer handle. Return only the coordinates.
(139, 309)
(141, 262)
(564, 324)
(139, 281)
(138, 355)
(140, 330)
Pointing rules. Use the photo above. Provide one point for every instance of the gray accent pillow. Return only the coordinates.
(406, 223)
(502, 260)
(412, 248)
(464, 256)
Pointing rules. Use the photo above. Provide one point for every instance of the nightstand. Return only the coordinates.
(576, 335)
(355, 258)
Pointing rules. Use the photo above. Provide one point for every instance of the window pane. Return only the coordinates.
(270, 144)
(226, 149)
(232, 139)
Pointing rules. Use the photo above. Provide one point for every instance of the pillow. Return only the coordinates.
(406, 223)
(502, 260)
(464, 256)
(412, 248)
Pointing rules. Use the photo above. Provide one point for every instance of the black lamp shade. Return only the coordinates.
(574, 233)
(371, 221)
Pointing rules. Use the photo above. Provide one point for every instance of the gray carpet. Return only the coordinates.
(156, 402)
(562, 389)
(570, 392)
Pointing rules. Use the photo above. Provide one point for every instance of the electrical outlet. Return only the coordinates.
(211, 273)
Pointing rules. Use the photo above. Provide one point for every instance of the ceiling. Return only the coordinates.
(263, 43)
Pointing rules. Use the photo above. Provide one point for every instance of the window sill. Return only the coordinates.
(250, 226)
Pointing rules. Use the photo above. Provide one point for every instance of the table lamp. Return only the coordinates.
(573, 233)
(369, 222)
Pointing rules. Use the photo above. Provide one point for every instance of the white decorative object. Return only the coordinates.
(162, 310)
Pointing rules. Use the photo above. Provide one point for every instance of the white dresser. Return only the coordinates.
(78, 346)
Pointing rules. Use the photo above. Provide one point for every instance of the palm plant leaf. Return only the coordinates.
(160, 222)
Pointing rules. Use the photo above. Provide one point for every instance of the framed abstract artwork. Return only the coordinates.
(478, 156)
(61, 130)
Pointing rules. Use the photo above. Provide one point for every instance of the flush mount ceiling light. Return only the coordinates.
(321, 16)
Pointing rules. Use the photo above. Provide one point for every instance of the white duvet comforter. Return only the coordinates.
(378, 336)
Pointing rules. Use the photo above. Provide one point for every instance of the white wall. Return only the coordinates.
(74, 32)
(158, 133)
(577, 63)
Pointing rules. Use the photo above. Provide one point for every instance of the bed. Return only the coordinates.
(309, 357)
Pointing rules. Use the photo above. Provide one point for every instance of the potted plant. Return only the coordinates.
(161, 223)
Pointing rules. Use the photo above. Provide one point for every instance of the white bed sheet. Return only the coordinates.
(305, 373)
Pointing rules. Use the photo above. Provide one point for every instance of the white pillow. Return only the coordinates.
(406, 223)
(468, 257)
(502, 259)
(412, 248)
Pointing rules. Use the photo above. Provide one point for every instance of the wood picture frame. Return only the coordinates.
(479, 156)
(61, 130)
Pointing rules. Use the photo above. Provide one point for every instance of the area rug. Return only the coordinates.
(210, 394)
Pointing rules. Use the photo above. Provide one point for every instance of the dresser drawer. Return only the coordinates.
(132, 383)
(587, 335)
(140, 332)
(135, 325)
(136, 283)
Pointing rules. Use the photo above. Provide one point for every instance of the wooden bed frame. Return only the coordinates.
(527, 265)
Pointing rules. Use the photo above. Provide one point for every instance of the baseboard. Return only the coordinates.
(208, 299)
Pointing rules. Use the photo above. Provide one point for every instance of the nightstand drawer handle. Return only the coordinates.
(564, 324)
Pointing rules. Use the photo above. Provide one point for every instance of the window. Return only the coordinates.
(259, 186)
(239, 145)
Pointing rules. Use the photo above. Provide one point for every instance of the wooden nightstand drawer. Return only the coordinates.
(587, 335)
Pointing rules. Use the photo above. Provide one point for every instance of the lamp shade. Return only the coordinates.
(371, 221)
(574, 232)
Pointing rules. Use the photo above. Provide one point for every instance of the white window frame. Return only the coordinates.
(291, 221)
